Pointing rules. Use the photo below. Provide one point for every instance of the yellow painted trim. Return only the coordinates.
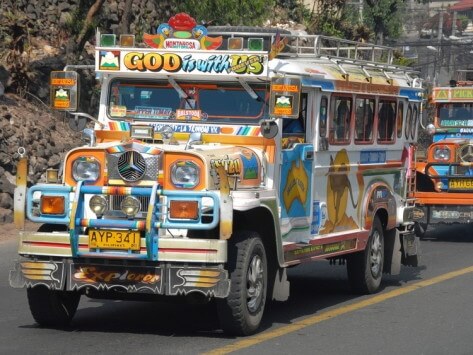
(303, 323)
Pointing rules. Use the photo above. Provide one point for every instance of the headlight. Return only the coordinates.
(86, 169)
(442, 153)
(185, 174)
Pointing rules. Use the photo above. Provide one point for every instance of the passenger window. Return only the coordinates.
(294, 128)
(415, 116)
(323, 117)
(364, 118)
(386, 121)
(340, 121)
(399, 119)
(407, 128)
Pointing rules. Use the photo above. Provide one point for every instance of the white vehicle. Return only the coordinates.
(220, 158)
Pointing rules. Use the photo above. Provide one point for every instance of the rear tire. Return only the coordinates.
(52, 308)
(241, 312)
(365, 269)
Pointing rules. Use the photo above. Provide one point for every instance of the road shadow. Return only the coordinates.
(455, 233)
(315, 288)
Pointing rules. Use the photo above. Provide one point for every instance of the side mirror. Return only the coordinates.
(89, 136)
(269, 128)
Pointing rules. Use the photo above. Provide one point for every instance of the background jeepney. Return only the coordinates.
(445, 177)
(193, 182)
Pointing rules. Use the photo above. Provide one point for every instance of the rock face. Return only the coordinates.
(34, 37)
(49, 17)
(45, 137)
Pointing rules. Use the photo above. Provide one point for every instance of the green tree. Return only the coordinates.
(384, 17)
(228, 12)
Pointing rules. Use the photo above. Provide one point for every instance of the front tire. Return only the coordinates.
(365, 269)
(241, 312)
(52, 308)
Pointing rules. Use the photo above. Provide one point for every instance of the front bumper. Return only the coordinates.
(129, 277)
(434, 214)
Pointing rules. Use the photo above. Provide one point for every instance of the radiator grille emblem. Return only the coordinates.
(131, 166)
(466, 153)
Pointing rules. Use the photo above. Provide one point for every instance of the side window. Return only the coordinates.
(340, 120)
(323, 117)
(415, 117)
(364, 118)
(407, 127)
(399, 119)
(386, 121)
(293, 129)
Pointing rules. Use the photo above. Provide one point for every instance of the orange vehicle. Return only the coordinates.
(444, 180)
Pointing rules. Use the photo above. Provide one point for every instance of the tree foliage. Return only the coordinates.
(227, 12)
(384, 17)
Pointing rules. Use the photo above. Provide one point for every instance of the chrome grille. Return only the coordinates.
(131, 166)
(151, 171)
(116, 200)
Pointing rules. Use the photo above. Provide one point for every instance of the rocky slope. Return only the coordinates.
(45, 137)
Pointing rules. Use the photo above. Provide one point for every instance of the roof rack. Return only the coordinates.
(340, 51)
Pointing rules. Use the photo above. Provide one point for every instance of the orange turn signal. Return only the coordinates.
(52, 205)
(184, 209)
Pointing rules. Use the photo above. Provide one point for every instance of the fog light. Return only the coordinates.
(439, 185)
(52, 205)
(98, 204)
(184, 210)
(130, 206)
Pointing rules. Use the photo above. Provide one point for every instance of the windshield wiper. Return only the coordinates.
(249, 90)
(182, 94)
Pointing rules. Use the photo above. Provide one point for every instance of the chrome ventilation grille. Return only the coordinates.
(465, 153)
(116, 200)
(131, 166)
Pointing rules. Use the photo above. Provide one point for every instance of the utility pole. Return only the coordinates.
(360, 9)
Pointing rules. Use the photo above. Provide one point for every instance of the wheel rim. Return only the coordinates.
(255, 283)
(375, 253)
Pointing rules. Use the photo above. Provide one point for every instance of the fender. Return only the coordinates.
(379, 196)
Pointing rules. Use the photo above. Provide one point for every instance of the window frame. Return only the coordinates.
(334, 112)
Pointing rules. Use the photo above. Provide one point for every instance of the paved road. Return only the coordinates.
(425, 310)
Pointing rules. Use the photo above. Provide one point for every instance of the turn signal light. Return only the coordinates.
(184, 210)
(52, 205)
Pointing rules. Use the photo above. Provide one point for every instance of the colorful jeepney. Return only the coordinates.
(219, 159)
(445, 177)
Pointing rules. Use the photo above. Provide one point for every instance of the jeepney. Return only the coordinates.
(194, 183)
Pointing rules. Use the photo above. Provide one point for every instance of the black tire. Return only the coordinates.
(365, 269)
(52, 308)
(241, 312)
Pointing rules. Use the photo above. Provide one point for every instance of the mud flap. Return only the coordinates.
(392, 252)
(281, 286)
(411, 249)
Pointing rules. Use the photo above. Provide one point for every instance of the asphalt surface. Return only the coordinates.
(425, 310)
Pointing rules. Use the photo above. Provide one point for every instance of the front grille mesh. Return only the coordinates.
(115, 201)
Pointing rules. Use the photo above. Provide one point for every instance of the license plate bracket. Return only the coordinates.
(114, 239)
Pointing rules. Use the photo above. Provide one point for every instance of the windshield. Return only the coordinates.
(151, 101)
(455, 115)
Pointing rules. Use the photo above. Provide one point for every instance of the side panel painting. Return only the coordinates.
(341, 195)
(295, 192)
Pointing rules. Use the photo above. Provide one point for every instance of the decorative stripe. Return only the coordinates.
(119, 126)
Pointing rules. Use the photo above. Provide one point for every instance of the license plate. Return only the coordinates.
(113, 239)
(460, 184)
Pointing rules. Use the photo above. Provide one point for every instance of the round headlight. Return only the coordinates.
(130, 206)
(98, 204)
(86, 169)
(442, 153)
(185, 174)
